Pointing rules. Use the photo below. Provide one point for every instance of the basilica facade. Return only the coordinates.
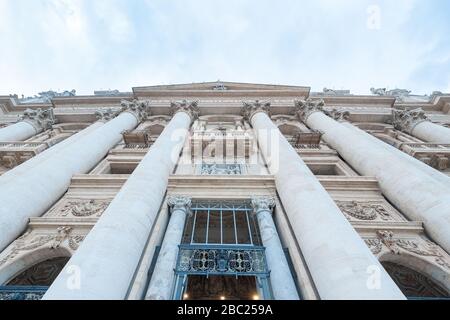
(225, 191)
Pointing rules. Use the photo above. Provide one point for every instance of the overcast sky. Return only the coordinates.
(89, 45)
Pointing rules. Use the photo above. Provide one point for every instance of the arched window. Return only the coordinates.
(32, 283)
(413, 284)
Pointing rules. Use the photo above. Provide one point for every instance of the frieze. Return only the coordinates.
(80, 208)
(365, 211)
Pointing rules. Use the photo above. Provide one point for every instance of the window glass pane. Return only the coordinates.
(242, 228)
(214, 227)
(187, 234)
(200, 226)
(254, 230)
(228, 227)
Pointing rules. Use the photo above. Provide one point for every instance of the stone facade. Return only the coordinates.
(302, 195)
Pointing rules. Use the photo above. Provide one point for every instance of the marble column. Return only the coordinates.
(439, 176)
(102, 116)
(417, 124)
(417, 194)
(283, 284)
(108, 257)
(32, 122)
(162, 280)
(33, 192)
(337, 257)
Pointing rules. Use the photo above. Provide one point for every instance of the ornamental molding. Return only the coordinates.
(181, 203)
(338, 115)
(407, 120)
(262, 204)
(189, 107)
(105, 115)
(386, 240)
(139, 108)
(364, 211)
(29, 242)
(250, 108)
(40, 119)
(305, 108)
(81, 208)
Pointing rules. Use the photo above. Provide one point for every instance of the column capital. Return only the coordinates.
(182, 203)
(261, 204)
(189, 107)
(140, 109)
(305, 108)
(407, 120)
(104, 115)
(338, 115)
(40, 119)
(253, 107)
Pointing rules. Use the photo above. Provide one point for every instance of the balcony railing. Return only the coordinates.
(434, 154)
(22, 292)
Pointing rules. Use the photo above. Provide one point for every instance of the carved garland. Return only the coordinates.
(364, 211)
(424, 248)
(53, 241)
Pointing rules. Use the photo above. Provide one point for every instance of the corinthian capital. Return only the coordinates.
(261, 204)
(39, 119)
(189, 107)
(105, 115)
(305, 108)
(407, 120)
(182, 203)
(140, 109)
(251, 108)
(338, 115)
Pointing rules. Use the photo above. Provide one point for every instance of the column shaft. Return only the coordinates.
(109, 255)
(162, 280)
(441, 177)
(431, 132)
(283, 284)
(415, 193)
(31, 194)
(336, 255)
(19, 131)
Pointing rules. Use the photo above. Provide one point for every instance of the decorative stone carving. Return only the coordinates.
(407, 120)
(364, 211)
(140, 109)
(262, 204)
(28, 242)
(182, 203)
(221, 169)
(220, 87)
(251, 108)
(190, 107)
(84, 208)
(305, 108)
(105, 114)
(421, 247)
(338, 115)
(40, 119)
(399, 94)
(46, 96)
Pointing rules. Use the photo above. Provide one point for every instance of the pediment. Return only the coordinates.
(220, 86)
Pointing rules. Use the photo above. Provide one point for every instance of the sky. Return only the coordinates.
(90, 45)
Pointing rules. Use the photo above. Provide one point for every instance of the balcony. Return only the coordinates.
(13, 154)
(433, 154)
(22, 292)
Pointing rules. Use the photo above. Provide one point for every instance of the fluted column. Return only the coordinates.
(162, 280)
(337, 257)
(108, 257)
(417, 194)
(37, 187)
(32, 123)
(283, 284)
(417, 124)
